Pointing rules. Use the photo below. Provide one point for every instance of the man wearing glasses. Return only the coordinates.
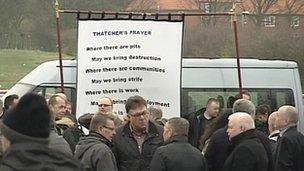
(94, 150)
(105, 105)
(137, 140)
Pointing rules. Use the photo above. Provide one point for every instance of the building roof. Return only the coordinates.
(278, 6)
(163, 5)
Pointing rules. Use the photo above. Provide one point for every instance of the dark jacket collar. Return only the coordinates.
(249, 134)
(100, 137)
(177, 138)
(292, 128)
(151, 132)
(200, 113)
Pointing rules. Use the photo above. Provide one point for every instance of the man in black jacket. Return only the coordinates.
(200, 119)
(249, 153)
(94, 150)
(290, 149)
(136, 141)
(177, 154)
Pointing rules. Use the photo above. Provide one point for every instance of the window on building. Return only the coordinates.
(273, 1)
(295, 21)
(269, 21)
(244, 19)
(207, 7)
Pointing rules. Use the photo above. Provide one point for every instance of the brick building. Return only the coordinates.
(267, 13)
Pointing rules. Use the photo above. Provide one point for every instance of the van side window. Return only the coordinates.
(194, 99)
(48, 91)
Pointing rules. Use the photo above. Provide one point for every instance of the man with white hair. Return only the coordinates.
(220, 140)
(290, 149)
(249, 153)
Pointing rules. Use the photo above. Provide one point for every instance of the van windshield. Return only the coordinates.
(194, 99)
(20, 89)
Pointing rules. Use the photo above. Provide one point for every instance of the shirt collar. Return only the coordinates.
(204, 115)
(274, 133)
(283, 131)
(144, 132)
(208, 117)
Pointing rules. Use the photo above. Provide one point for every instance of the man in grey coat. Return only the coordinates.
(93, 150)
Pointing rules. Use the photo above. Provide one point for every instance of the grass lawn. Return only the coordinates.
(15, 64)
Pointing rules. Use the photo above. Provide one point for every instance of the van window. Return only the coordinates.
(48, 91)
(194, 99)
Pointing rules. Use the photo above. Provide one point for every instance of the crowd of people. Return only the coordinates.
(40, 134)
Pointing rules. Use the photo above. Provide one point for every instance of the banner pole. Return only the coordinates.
(237, 49)
(59, 44)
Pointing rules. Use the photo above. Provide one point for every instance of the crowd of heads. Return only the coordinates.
(138, 114)
(17, 127)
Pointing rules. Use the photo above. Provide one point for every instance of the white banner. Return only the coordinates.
(123, 58)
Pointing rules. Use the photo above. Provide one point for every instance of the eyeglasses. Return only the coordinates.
(144, 113)
(109, 128)
(105, 105)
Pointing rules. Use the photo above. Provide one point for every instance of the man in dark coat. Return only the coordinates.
(220, 147)
(248, 153)
(200, 119)
(94, 149)
(136, 141)
(177, 154)
(26, 129)
(290, 148)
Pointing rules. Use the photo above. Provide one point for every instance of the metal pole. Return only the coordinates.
(59, 44)
(237, 50)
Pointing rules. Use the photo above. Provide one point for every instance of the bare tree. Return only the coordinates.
(259, 8)
(294, 6)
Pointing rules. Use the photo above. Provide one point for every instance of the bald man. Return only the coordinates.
(105, 105)
(289, 154)
(249, 153)
(273, 131)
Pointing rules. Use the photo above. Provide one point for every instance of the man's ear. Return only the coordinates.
(170, 132)
(100, 129)
(242, 128)
(5, 143)
(51, 108)
(287, 121)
